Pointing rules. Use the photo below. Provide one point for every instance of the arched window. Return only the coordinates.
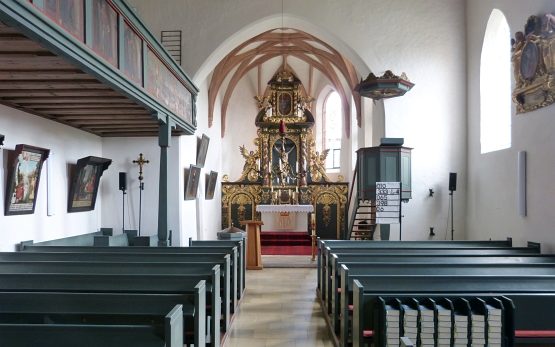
(332, 129)
(495, 85)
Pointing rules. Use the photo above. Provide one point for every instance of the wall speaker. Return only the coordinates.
(521, 185)
(452, 181)
(123, 181)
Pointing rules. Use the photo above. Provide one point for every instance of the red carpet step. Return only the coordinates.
(285, 243)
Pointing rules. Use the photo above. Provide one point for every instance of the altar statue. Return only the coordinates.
(251, 170)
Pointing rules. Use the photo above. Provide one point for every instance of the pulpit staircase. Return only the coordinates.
(362, 222)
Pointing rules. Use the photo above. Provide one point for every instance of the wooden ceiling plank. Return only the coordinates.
(96, 112)
(103, 117)
(50, 85)
(101, 123)
(108, 100)
(9, 75)
(53, 107)
(56, 93)
(28, 62)
(19, 44)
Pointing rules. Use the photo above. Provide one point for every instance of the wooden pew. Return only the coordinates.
(327, 270)
(226, 243)
(365, 261)
(223, 259)
(128, 268)
(338, 244)
(120, 283)
(92, 319)
(183, 259)
(532, 295)
(426, 269)
(236, 262)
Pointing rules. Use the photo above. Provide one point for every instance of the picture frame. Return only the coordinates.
(192, 178)
(24, 170)
(84, 183)
(202, 145)
(211, 180)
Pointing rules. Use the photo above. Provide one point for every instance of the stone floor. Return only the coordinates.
(280, 308)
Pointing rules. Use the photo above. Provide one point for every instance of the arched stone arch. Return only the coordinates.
(252, 51)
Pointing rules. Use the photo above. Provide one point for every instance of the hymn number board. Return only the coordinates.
(388, 202)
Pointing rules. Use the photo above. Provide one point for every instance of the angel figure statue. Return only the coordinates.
(251, 168)
(318, 166)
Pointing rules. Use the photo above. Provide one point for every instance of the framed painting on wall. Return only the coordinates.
(202, 150)
(211, 180)
(192, 178)
(83, 187)
(25, 164)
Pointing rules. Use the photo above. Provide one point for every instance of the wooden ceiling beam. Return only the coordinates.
(104, 117)
(51, 85)
(95, 106)
(16, 62)
(100, 123)
(19, 44)
(86, 112)
(108, 100)
(31, 93)
(48, 75)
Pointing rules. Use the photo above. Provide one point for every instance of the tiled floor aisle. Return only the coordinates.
(280, 308)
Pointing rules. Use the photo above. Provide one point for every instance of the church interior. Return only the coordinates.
(303, 123)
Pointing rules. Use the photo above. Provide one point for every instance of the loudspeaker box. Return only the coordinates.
(122, 181)
(452, 181)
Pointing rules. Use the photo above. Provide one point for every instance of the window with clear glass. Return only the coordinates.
(495, 85)
(332, 129)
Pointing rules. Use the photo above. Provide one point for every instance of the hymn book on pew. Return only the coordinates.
(444, 323)
(410, 321)
(494, 325)
(392, 323)
(427, 325)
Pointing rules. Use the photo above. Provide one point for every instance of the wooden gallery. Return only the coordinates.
(277, 173)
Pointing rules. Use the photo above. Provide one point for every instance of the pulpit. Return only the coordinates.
(254, 255)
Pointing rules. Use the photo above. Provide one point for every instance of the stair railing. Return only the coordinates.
(349, 222)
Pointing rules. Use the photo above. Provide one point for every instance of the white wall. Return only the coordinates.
(66, 145)
(123, 151)
(492, 177)
(425, 38)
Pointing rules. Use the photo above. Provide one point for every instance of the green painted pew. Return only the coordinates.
(533, 297)
(225, 243)
(128, 268)
(336, 244)
(425, 269)
(236, 262)
(228, 275)
(120, 283)
(217, 258)
(454, 250)
(365, 261)
(93, 319)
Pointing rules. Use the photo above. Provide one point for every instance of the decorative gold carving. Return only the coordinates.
(534, 64)
(251, 168)
(225, 178)
(242, 195)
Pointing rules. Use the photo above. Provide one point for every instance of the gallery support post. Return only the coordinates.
(164, 135)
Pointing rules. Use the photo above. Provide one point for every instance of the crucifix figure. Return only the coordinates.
(141, 161)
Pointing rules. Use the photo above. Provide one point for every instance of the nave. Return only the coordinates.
(280, 308)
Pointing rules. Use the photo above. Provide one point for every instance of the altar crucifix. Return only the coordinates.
(140, 161)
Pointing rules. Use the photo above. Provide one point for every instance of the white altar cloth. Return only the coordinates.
(284, 217)
(284, 208)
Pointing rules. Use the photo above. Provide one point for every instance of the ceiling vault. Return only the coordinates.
(288, 42)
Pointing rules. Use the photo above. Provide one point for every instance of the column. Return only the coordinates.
(164, 135)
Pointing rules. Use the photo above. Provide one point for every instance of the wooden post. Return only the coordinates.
(164, 142)
(254, 257)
